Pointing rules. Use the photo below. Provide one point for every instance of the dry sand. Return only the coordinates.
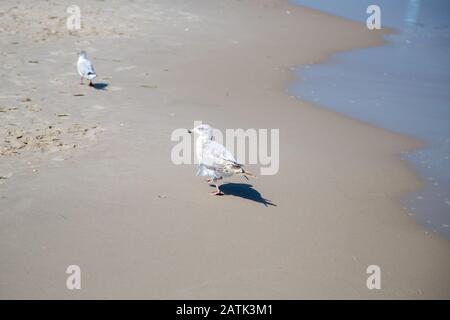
(94, 184)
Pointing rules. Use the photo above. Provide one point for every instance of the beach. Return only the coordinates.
(95, 186)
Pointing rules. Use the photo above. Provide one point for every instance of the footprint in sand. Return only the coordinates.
(16, 81)
(58, 158)
(33, 108)
(120, 69)
(56, 82)
(56, 53)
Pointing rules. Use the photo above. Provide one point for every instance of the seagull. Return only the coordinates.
(215, 161)
(85, 68)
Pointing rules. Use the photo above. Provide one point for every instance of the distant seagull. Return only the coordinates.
(215, 161)
(85, 68)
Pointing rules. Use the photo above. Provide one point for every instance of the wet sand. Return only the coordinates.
(106, 196)
(394, 93)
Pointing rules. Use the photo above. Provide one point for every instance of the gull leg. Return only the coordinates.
(81, 81)
(210, 180)
(217, 192)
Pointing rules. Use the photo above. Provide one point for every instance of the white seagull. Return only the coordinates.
(215, 161)
(85, 68)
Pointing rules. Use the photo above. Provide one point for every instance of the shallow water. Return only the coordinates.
(403, 86)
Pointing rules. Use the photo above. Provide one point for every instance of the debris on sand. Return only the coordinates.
(6, 176)
(62, 115)
(6, 109)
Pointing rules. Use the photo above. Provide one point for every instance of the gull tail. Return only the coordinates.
(91, 75)
(247, 174)
(238, 169)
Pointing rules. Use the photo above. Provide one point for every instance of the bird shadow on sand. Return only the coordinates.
(100, 86)
(245, 191)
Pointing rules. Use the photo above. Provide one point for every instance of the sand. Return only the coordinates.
(106, 196)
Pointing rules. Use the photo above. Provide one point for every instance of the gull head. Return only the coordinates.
(82, 54)
(202, 130)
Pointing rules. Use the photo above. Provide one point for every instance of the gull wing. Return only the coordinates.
(219, 159)
(86, 69)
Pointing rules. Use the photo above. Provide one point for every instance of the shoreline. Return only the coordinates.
(395, 97)
(100, 208)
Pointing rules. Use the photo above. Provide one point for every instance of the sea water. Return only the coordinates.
(403, 86)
